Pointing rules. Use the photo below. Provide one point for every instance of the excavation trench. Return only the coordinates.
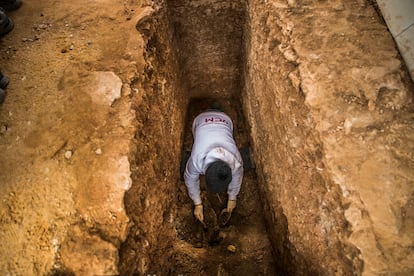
(243, 245)
(316, 89)
(199, 51)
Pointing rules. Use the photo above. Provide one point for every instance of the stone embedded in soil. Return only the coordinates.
(68, 154)
(232, 248)
(105, 87)
(3, 129)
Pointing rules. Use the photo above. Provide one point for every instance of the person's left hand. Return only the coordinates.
(198, 212)
(231, 204)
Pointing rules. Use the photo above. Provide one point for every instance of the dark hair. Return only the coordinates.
(218, 176)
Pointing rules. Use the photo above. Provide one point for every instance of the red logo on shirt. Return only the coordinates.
(215, 120)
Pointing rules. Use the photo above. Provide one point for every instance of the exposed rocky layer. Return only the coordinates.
(331, 113)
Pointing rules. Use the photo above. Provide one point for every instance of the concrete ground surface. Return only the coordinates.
(399, 16)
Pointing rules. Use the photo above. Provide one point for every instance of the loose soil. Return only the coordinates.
(60, 144)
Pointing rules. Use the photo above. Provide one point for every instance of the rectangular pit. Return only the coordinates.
(228, 51)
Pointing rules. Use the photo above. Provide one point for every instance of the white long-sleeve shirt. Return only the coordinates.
(213, 140)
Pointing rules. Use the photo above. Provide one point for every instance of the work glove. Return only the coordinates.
(231, 204)
(198, 212)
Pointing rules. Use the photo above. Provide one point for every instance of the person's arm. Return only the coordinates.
(234, 188)
(192, 181)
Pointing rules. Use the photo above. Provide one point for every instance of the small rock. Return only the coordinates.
(292, 3)
(98, 151)
(290, 55)
(232, 248)
(371, 105)
(105, 87)
(288, 52)
(347, 126)
(3, 129)
(68, 154)
(295, 79)
(339, 7)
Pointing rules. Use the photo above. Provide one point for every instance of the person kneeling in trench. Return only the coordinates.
(215, 155)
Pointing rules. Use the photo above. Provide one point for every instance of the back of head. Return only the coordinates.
(218, 176)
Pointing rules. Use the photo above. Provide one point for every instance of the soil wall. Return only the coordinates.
(208, 37)
(151, 201)
(330, 109)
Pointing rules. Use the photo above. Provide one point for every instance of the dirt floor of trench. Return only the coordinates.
(245, 233)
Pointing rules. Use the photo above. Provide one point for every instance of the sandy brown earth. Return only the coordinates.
(93, 127)
(66, 130)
